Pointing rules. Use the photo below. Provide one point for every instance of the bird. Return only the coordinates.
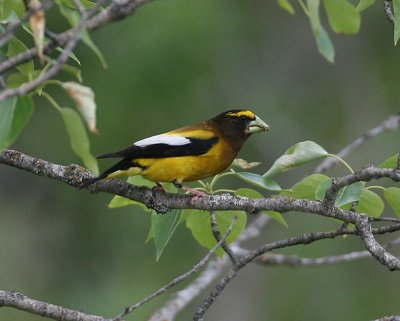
(186, 154)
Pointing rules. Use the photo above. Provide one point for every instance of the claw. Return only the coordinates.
(196, 194)
(159, 187)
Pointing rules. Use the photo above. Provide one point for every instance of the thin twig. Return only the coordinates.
(203, 308)
(388, 10)
(294, 260)
(183, 297)
(117, 10)
(180, 278)
(13, 26)
(220, 286)
(57, 65)
(392, 123)
(80, 7)
(389, 318)
(217, 236)
(306, 238)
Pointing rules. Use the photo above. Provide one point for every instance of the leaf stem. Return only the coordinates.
(376, 187)
(304, 7)
(217, 177)
(342, 161)
(51, 100)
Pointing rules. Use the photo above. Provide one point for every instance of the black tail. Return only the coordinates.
(123, 164)
(93, 180)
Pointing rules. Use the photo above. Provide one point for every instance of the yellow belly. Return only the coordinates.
(183, 168)
(188, 168)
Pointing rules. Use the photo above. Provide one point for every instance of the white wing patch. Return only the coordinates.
(163, 139)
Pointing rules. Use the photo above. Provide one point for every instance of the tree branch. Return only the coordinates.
(392, 123)
(271, 259)
(74, 175)
(162, 202)
(21, 302)
(388, 10)
(183, 297)
(180, 278)
(117, 10)
(75, 35)
(218, 237)
(389, 318)
(13, 26)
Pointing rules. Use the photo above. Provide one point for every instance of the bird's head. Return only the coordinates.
(240, 123)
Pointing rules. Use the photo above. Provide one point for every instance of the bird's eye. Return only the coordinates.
(243, 117)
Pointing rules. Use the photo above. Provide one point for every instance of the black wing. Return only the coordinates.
(194, 147)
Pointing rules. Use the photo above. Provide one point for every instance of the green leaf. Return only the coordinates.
(7, 107)
(391, 162)
(296, 155)
(199, 223)
(370, 203)
(16, 47)
(306, 188)
(324, 45)
(73, 18)
(162, 228)
(286, 5)
(258, 180)
(349, 194)
(89, 42)
(251, 193)
(321, 190)
(346, 195)
(22, 113)
(364, 4)
(16, 79)
(70, 55)
(396, 13)
(392, 195)
(78, 138)
(119, 201)
(14, 115)
(343, 16)
(313, 14)
(14, 7)
(76, 72)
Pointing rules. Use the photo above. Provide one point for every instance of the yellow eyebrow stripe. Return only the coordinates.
(246, 113)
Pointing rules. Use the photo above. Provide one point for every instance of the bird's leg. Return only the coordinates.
(177, 184)
(159, 187)
(196, 194)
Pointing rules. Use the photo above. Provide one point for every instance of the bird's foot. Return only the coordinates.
(196, 194)
(158, 187)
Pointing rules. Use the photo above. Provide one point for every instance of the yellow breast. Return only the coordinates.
(188, 168)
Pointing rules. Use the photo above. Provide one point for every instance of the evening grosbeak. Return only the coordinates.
(186, 154)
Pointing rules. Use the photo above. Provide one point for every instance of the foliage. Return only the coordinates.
(343, 17)
(312, 187)
(16, 112)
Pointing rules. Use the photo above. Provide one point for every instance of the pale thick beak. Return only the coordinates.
(257, 125)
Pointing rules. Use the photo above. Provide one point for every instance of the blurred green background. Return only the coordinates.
(177, 62)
